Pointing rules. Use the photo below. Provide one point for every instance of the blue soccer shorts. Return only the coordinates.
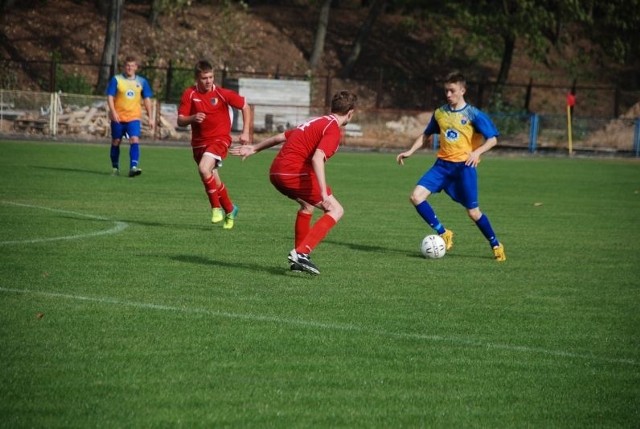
(456, 179)
(120, 130)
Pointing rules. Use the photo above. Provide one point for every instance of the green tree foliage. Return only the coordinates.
(615, 25)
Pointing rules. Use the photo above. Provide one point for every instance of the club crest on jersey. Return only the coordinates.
(452, 135)
(464, 120)
(214, 101)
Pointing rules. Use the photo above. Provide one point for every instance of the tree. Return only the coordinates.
(377, 7)
(537, 23)
(321, 34)
(109, 63)
(170, 7)
(615, 26)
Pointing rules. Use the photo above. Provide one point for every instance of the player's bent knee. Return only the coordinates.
(474, 214)
(416, 199)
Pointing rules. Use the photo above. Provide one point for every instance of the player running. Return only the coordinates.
(298, 172)
(205, 106)
(465, 133)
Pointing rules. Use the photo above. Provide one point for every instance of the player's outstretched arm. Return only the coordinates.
(247, 150)
(420, 142)
(474, 157)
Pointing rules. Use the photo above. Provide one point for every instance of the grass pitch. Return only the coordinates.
(121, 305)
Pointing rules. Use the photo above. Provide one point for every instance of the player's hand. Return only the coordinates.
(199, 117)
(327, 202)
(244, 151)
(244, 139)
(473, 160)
(400, 158)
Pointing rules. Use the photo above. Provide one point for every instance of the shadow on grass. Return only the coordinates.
(185, 226)
(414, 254)
(244, 265)
(369, 248)
(75, 170)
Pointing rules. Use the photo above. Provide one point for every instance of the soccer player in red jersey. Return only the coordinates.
(298, 172)
(207, 108)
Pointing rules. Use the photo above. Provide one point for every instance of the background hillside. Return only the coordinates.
(275, 40)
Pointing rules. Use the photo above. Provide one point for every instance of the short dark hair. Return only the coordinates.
(343, 101)
(202, 66)
(456, 77)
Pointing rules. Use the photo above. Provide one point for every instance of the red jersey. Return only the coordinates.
(216, 104)
(296, 153)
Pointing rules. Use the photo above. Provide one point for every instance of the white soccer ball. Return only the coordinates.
(433, 247)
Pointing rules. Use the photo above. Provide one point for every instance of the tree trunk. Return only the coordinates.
(377, 7)
(321, 34)
(155, 12)
(507, 57)
(109, 63)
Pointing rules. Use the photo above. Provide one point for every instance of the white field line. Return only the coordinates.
(329, 326)
(118, 227)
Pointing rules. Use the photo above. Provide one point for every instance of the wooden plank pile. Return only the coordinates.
(86, 122)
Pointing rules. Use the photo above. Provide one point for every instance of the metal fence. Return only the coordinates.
(43, 115)
(378, 92)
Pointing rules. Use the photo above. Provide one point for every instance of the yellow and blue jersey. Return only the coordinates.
(460, 131)
(127, 96)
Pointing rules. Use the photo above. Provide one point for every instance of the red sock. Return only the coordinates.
(215, 201)
(303, 225)
(225, 201)
(210, 186)
(318, 231)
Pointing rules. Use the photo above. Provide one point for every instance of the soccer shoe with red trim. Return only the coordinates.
(447, 236)
(498, 253)
(217, 215)
(230, 218)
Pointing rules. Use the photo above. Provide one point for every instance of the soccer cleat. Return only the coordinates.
(447, 236)
(135, 171)
(303, 262)
(115, 172)
(230, 218)
(498, 253)
(217, 215)
(295, 267)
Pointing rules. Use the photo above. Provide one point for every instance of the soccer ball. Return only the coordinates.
(433, 247)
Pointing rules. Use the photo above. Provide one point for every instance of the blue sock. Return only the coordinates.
(426, 212)
(115, 156)
(485, 226)
(134, 154)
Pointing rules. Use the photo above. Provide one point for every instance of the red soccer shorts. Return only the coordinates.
(299, 186)
(218, 149)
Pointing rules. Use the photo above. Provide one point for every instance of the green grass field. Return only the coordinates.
(121, 305)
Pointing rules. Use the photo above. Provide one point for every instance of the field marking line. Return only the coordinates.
(328, 326)
(119, 226)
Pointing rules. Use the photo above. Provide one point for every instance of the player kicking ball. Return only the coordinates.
(465, 133)
(298, 172)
